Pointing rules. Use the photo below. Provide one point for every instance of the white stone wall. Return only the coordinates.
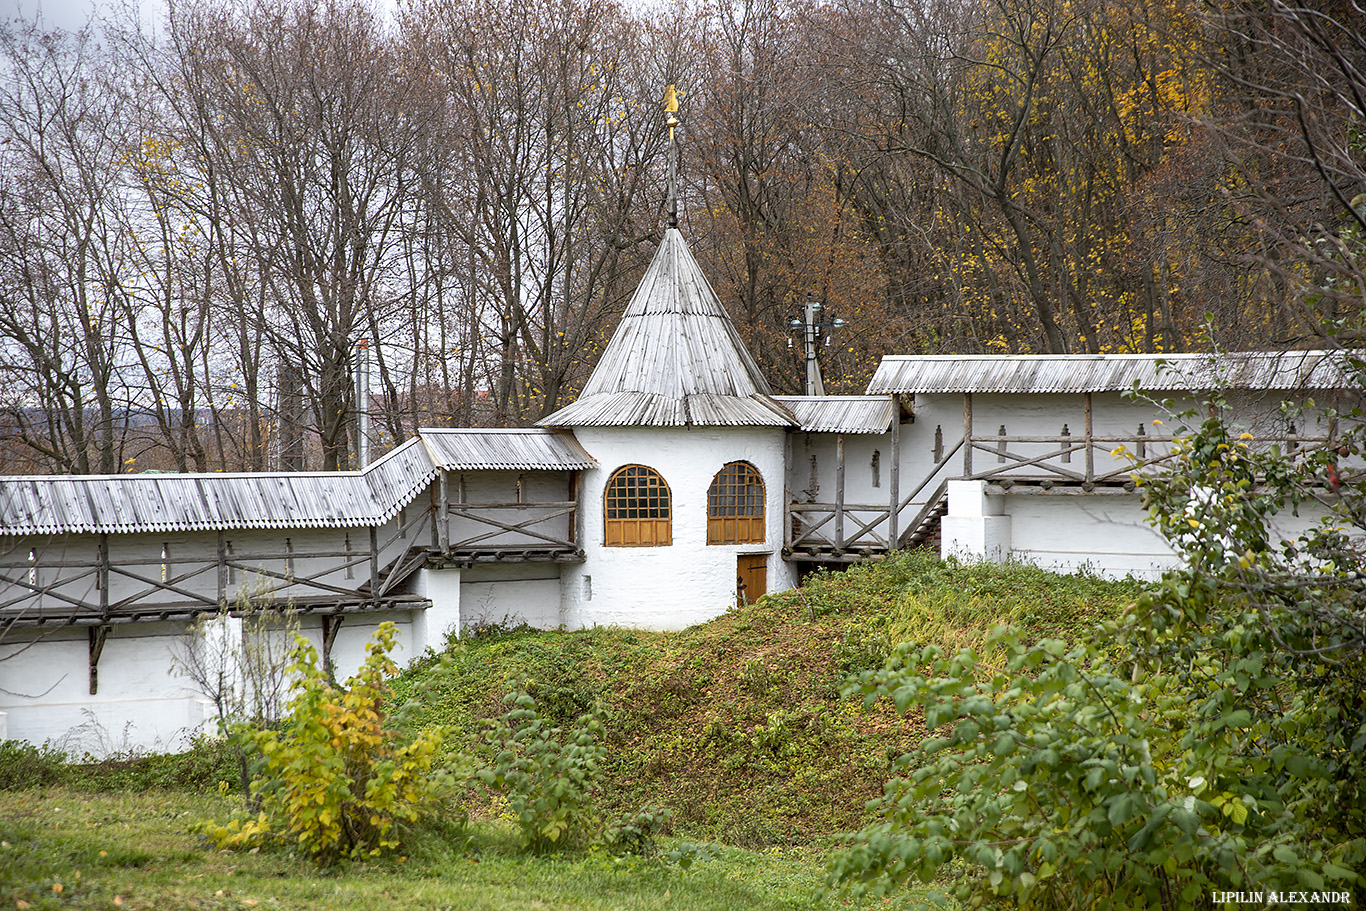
(143, 704)
(45, 689)
(689, 581)
(485, 487)
(508, 595)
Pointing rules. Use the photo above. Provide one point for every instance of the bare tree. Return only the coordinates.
(62, 338)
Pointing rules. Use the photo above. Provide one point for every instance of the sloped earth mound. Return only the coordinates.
(738, 725)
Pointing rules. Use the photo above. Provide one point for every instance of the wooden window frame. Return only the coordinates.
(637, 508)
(736, 505)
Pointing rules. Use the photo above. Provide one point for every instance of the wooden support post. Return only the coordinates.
(1089, 436)
(1066, 445)
(967, 434)
(1142, 443)
(443, 518)
(839, 493)
(222, 572)
(1001, 445)
(103, 578)
(331, 623)
(434, 508)
(786, 513)
(894, 477)
(938, 450)
(575, 513)
(374, 563)
(97, 636)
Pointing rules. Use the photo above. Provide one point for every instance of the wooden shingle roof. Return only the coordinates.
(129, 504)
(1077, 373)
(675, 359)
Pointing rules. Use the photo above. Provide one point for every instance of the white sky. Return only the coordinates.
(72, 14)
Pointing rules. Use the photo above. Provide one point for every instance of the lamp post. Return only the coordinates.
(813, 329)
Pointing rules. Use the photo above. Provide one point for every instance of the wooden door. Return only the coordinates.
(751, 577)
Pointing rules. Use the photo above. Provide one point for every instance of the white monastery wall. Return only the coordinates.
(44, 690)
(689, 581)
(511, 594)
(1106, 534)
(813, 477)
(142, 703)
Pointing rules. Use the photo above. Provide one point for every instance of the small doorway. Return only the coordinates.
(751, 577)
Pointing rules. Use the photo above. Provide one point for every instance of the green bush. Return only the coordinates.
(1212, 739)
(24, 766)
(336, 781)
(547, 775)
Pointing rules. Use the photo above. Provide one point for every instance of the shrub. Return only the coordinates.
(1212, 740)
(23, 766)
(548, 777)
(336, 781)
(637, 833)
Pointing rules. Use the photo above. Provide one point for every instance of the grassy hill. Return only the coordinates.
(737, 725)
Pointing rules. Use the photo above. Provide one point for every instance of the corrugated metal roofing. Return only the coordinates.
(841, 413)
(636, 409)
(129, 504)
(1278, 370)
(531, 449)
(675, 359)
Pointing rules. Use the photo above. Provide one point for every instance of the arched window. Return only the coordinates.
(735, 506)
(638, 510)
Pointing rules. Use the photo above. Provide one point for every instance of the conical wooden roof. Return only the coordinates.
(675, 359)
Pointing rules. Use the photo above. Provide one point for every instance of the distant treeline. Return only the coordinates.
(202, 222)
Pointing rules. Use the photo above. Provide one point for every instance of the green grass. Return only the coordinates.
(737, 726)
(134, 851)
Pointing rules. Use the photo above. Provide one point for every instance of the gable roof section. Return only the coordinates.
(132, 504)
(841, 413)
(1075, 373)
(525, 448)
(675, 359)
(127, 504)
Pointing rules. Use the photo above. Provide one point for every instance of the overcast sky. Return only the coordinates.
(72, 14)
(66, 14)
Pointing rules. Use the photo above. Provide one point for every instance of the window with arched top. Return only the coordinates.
(637, 508)
(735, 506)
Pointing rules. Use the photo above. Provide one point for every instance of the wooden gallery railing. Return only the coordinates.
(50, 587)
(1063, 463)
(512, 531)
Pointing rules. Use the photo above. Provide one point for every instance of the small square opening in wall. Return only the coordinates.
(588, 588)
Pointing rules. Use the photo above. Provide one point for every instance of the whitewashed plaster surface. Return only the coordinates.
(143, 703)
(689, 581)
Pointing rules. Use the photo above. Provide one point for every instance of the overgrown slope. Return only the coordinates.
(737, 725)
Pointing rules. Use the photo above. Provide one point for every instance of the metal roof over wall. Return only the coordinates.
(841, 413)
(675, 359)
(133, 504)
(1271, 370)
(527, 449)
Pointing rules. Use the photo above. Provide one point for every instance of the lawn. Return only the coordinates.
(63, 848)
(737, 727)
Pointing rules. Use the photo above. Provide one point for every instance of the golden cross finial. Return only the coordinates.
(671, 121)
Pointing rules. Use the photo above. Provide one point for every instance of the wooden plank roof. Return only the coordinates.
(131, 504)
(841, 413)
(1068, 373)
(125, 504)
(467, 449)
(675, 359)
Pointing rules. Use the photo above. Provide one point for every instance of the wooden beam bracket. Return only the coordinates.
(97, 636)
